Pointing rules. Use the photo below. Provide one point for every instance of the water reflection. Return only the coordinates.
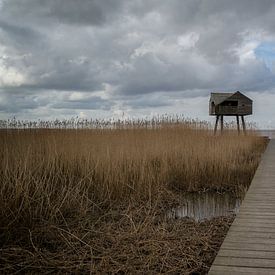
(206, 206)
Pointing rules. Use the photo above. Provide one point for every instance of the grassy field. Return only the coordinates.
(85, 201)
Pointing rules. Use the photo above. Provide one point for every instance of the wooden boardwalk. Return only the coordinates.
(249, 247)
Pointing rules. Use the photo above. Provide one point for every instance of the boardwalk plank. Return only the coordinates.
(247, 254)
(256, 221)
(257, 216)
(252, 224)
(257, 212)
(252, 228)
(248, 246)
(270, 235)
(248, 240)
(229, 270)
(245, 262)
(255, 205)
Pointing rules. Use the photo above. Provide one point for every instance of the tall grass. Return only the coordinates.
(72, 181)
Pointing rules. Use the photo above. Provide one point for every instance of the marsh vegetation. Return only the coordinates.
(93, 200)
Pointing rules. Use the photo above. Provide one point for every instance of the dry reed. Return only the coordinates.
(90, 200)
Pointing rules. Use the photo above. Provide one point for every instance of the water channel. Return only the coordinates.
(205, 206)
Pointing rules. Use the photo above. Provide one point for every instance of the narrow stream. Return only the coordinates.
(205, 206)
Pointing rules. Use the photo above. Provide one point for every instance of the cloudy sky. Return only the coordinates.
(105, 58)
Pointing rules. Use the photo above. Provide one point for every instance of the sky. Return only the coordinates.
(106, 58)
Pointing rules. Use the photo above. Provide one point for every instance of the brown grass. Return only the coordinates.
(91, 200)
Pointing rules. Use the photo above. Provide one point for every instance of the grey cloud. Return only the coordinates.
(79, 12)
(132, 48)
(93, 103)
(152, 75)
(152, 101)
(17, 103)
(18, 32)
(19, 37)
(85, 12)
(13, 102)
(221, 23)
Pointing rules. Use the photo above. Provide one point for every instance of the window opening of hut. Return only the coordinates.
(230, 103)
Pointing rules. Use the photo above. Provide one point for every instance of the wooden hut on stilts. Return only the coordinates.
(230, 104)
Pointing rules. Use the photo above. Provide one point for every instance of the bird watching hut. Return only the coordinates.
(230, 104)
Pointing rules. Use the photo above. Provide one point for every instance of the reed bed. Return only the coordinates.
(92, 200)
(110, 123)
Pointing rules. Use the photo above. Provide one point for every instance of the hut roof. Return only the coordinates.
(218, 98)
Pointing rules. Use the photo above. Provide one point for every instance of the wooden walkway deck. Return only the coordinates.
(249, 247)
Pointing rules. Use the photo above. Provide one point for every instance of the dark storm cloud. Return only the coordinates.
(129, 51)
(80, 12)
(18, 33)
(16, 102)
(85, 105)
(13, 102)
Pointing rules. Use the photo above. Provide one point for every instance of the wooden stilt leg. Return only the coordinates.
(221, 123)
(216, 124)
(243, 122)
(238, 124)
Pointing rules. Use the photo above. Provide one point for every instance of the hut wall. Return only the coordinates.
(240, 105)
(241, 109)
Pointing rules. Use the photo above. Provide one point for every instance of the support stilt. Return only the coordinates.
(238, 123)
(243, 122)
(219, 119)
(216, 124)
